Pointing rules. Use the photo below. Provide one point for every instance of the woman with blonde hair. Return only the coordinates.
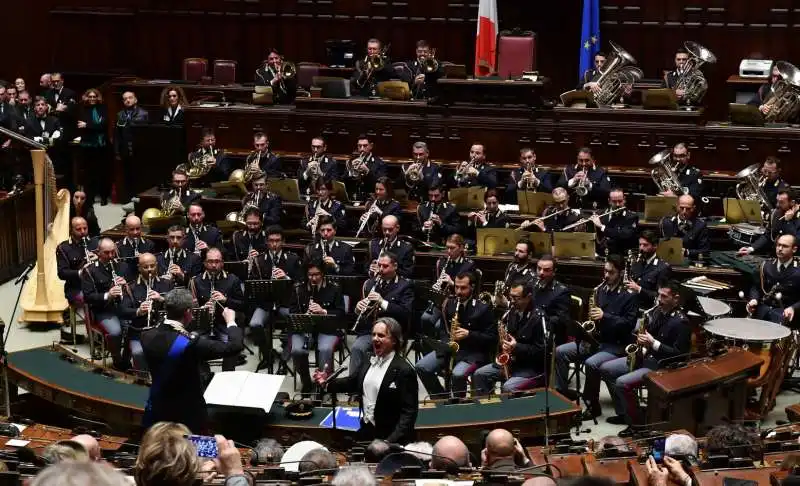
(173, 99)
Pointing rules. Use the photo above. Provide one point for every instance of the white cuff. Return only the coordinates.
(105, 296)
(750, 249)
(602, 228)
(571, 182)
(231, 324)
(56, 135)
(656, 344)
(384, 305)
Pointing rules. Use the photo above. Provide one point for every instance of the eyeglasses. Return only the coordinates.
(316, 147)
(584, 160)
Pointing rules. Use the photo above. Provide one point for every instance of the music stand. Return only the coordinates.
(660, 99)
(287, 189)
(340, 192)
(671, 251)
(576, 98)
(237, 268)
(425, 292)
(228, 227)
(236, 189)
(573, 245)
(394, 90)
(533, 202)
(202, 320)
(160, 224)
(491, 241)
(259, 293)
(741, 210)
(542, 242)
(315, 324)
(744, 114)
(467, 198)
(656, 207)
(351, 288)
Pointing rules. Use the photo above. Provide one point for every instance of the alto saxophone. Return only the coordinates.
(589, 325)
(634, 351)
(503, 358)
(453, 344)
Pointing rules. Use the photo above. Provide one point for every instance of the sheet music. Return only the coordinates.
(243, 389)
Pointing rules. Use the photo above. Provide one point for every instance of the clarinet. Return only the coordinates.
(371, 307)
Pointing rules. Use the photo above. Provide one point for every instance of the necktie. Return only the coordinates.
(376, 361)
(327, 248)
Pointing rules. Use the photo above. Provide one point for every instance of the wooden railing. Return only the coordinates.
(17, 233)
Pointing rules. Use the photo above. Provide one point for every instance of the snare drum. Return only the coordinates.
(745, 233)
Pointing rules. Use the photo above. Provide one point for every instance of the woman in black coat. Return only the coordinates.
(95, 160)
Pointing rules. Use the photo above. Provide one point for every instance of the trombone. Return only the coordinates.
(287, 70)
(369, 65)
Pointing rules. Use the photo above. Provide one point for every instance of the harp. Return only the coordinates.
(43, 297)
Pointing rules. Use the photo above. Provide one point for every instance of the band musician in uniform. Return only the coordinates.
(319, 165)
(765, 92)
(178, 264)
(363, 169)
(71, 257)
(180, 187)
(382, 205)
(613, 317)
(365, 79)
(663, 332)
(523, 345)
(688, 175)
(527, 177)
(468, 322)
(476, 171)
(385, 295)
(490, 217)
(268, 162)
(284, 90)
(221, 165)
(436, 218)
(773, 183)
(646, 270)
(775, 294)
(421, 173)
(268, 202)
(133, 244)
(556, 216)
(551, 297)
(587, 183)
(249, 242)
(216, 290)
(419, 72)
(521, 269)
(316, 297)
(591, 75)
(315, 207)
(689, 227)
(273, 264)
(447, 268)
(200, 236)
(140, 308)
(336, 256)
(615, 232)
(103, 285)
(402, 250)
(782, 221)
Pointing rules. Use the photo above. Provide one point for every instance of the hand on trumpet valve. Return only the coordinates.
(595, 313)
(645, 339)
(218, 297)
(362, 305)
(144, 308)
(472, 171)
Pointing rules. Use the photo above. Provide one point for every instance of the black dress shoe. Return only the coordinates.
(616, 420)
(591, 413)
(626, 432)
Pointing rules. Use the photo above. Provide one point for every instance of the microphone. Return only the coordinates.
(336, 373)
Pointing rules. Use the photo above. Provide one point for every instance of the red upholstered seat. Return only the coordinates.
(194, 68)
(224, 71)
(515, 54)
(305, 74)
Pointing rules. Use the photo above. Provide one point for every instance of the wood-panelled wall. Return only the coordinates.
(151, 37)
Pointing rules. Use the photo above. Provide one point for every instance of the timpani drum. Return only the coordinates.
(714, 308)
(709, 309)
(762, 338)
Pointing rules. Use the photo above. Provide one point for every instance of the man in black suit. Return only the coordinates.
(208, 149)
(586, 176)
(476, 335)
(60, 95)
(672, 78)
(616, 232)
(177, 263)
(647, 270)
(199, 235)
(178, 361)
(180, 188)
(43, 128)
(130, 115)
(71, 258)
(133, 244)
(775, 294)
(364, 81)
(690, 228)
(316, 208)
(420, 79)
(319, 165)
(429, 172)
(386, 385)
(360, 177)
(336, 256)
(269, 163)
(773, 182)
(527, 177)
(386, 295)
(555, 217)
(249, 242)
(284, 90)
(268, 202)
(480, 173)
(437, 219)
(24, 110)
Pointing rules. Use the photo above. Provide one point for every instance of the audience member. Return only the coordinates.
(267, 451)
(317, 459)
(449, 454)
(729, 439)
(72, 473)
(64, 450)
(503, 453)
(90, 444)
(354, 476)
(166, 457)
(376, 450)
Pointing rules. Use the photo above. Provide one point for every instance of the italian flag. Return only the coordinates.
(486, 38)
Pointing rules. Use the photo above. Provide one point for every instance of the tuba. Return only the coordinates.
(664, 174)
(751, 187)
(785, 101)
(692, 81)
(618, 72)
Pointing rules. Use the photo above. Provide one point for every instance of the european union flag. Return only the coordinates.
(590, 35)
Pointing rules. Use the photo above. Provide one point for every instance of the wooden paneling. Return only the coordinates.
(17, 233)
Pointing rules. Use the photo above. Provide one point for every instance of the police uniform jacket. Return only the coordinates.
(453, 267)
(588, 76)
(554, 299)
(785, 281)
(377, 168)
(403, 250)
(478, 318)
(428, 89)
(487, 177)
(597, 178)
(648, 274)
(448, 215)
(131, 302)
(96, 281)
(672, 330)
(285, 260)
(515, 181)
(331, 206)
(242, 240)
(70, 258)
(384, 74)
(691, 182)
(226, 283)
(772, 188)
(515, 271)
(264, 77)
(498, 219)
(619, 314)
(328, 295)
(694, 234)
(341, 253)
(207, 233)
(187, 197)
(559, 221)
(526, 328)
(190, 264)
(269, 163)
(620, 233)
(399, 295)
(270, 206)
(131, 248)
(328, 167)
(777, 227)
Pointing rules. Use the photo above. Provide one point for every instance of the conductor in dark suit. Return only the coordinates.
(386, 385)
(178, 360)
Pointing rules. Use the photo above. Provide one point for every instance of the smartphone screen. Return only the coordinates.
(658, 450)
(206, 446)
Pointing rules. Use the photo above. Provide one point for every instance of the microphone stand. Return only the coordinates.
(4, 338)
(548, 336)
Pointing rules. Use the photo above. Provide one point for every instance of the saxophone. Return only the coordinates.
(452, 344)
(634, 351)
(589, 325)
(503, 358)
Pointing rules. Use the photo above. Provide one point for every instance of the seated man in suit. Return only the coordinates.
(180, 191)
(419, 73)
(421, 173)
(249, 242)
(209, 153)
(133, 244)
(268, 162)
(268, 202)
(591, 75)
(363, 169)
(365, 78)
(527, 177)
(782, 221)
(616, 232)
(687, 226)
(200, 236)
(672, 80)
(403, 250)
(555, 217)
(688, 175)
(319, 165)
(647, 270)
(71, 258)
(336, 256)
(284, 90)
(587, 183)
(386, 385)
(775, 294)
(773, 182)
(436, 219)
(477, 171)
(177, 263)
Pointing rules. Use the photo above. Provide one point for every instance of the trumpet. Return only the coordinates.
(582, 188)
(463, 169)
(503, 358)
(357, 167)
(526, 179)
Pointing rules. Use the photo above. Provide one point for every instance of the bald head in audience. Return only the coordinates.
(499, 445)
(452, 448)
(90, 444)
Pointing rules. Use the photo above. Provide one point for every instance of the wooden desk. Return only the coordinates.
(479, 91)
(717, 477)
(41, 436)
